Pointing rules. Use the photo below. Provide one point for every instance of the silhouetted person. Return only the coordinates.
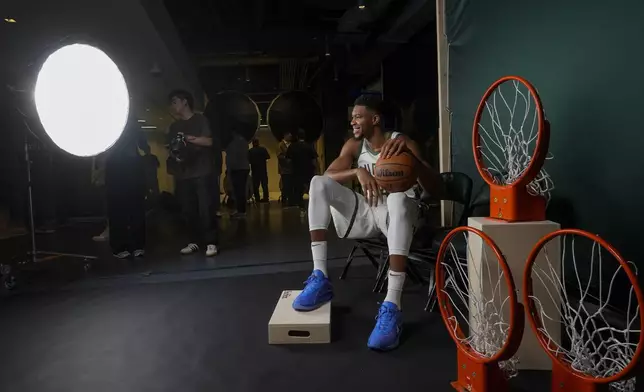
(216, 174)
(257, 156)
(151, 166)
(125, 191)
(238, 168)
(304, 159)
(285, 169)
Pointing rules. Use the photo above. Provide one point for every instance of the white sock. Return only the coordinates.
(318, 250)
(395, 283)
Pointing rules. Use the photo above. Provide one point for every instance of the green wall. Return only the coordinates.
(586, 58)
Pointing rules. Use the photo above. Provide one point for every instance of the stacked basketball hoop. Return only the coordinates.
(582, 301)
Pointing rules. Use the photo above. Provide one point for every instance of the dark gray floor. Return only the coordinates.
(211, 335)
(270, 235)
(269, 240)
(169, 323)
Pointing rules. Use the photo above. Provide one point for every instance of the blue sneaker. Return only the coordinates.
(386, 335)
(317, 292)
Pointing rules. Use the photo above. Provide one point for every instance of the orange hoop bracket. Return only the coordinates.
(513, 202)
(476, 373)
(564, 377)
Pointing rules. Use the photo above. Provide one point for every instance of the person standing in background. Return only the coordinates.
(237, 166)
(285, 168)
(257, 156)
(193, 172)
(126, 190)
(304, 159)
(215, 129)
(216, 175)
(151, 166)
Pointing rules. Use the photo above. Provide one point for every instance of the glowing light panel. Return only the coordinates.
(82, 100)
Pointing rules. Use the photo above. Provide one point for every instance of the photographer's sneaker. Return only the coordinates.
(104, 236)
(191, 248)
(139, 253)
(211, 250)
(122, 255)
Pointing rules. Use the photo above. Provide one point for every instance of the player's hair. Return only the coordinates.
(372, 102)
(183, 94)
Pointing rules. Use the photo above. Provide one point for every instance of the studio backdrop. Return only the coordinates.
(585, 58)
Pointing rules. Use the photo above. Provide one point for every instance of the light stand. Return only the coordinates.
(85, 71)
(33, 255)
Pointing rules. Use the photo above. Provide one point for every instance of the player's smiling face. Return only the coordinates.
(363, 121)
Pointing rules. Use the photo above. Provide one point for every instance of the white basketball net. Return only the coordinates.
(508, 133)
(478, 296)
(596, 339)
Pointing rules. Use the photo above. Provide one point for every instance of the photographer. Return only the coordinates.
(191, 164)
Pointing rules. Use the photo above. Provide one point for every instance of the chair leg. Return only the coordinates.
(385, 279)
(375, 264)
(431, 292)
(349, 261)
(380, 278)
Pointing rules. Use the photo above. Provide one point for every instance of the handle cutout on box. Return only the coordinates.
(299, 334)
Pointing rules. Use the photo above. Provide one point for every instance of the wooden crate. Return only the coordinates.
(288, 326)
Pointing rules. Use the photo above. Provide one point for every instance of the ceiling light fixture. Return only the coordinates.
(361, 4)
(149, 127)
(141, 121)
(10, 20)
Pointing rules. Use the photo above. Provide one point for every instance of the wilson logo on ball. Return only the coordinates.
(390, 173)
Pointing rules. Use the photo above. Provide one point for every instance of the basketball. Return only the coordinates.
(396, 174)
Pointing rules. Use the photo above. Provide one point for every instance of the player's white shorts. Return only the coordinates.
(356, 219)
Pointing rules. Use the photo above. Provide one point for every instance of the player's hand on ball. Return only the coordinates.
(394, 147)
(369, 187)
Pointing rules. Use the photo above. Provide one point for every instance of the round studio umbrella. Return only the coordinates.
(231, 111)
(295, 110)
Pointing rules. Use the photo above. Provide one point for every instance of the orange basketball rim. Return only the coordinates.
(564, 377)
(478, 372)
(512, 202)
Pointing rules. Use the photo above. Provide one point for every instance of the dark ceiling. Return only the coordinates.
(264, 46)
(274, 27)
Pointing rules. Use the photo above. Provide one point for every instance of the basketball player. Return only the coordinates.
(365, 216)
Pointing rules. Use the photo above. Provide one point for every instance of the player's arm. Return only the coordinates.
(428, 177)
(340, 169)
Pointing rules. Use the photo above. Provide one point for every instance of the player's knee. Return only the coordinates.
(397, 204)
(319, 185)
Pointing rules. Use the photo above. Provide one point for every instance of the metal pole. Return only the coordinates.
(445, 128)
(32, 229)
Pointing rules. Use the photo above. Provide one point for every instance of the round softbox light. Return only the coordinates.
(230, 111)
(82, 100)
(292, 111)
